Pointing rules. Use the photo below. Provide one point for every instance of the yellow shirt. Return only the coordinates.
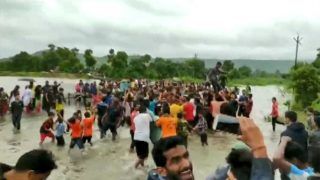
(175, 109)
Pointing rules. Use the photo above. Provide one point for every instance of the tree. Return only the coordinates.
(196, 68)
(227, 65)
(306, 84)
(316, 63)
(119, 63)
(75, 51)
(234, 74)
(51, 47)
(259, 73)
(138, 66)
(245, 71)
(90, 60)
(21, 61)
(104, 69)
(110, 56)
(50, 60)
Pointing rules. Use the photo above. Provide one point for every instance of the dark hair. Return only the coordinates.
(240, 161)
(227, 109)
(310, 109)
(87, 114)
(50, 113)
(218, 97)
(295, 150)
(165, 108)
(317, 121)
(38, 160)
(179, 115)
(197, 100)
(314, 159)
(291, 115)
(219, 63)
(142, 108)
(274, 99)
(60, 120)
(162, 146)
(250, 95)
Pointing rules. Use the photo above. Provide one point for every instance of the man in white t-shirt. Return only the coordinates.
(142, 135)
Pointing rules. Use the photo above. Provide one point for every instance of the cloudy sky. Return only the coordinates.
(228, 29)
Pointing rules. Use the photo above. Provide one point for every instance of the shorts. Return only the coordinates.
(86, 138)
(203, 137)
(44, 135)
(112, 128)
(142, 149)
(76, 141)
(60, 141)
(192, 123)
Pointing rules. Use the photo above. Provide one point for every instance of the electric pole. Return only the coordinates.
(298, 42)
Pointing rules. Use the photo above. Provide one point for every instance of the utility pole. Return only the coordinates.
(298, 42)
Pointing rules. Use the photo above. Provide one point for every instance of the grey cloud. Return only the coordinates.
(28, 29)
(151, 8)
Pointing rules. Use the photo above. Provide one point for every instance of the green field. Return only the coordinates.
(252, 81)
(43, 74)
(258, 81)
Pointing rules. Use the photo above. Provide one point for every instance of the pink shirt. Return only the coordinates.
(215, 107)
(275, 110)
(132, 116)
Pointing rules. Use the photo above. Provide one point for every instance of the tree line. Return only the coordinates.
(305, 82)
(117, 65)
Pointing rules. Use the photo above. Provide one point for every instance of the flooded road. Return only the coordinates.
(112, 160)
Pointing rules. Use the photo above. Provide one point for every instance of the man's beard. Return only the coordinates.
(174, 176)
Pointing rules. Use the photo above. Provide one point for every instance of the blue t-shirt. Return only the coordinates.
(297, 174)
(108, 100)
(60, 129)
(152, 106)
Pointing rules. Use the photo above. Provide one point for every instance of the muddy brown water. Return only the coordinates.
(112, 160)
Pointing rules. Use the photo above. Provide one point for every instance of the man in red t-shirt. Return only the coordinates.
(188, 111)
(46, 129)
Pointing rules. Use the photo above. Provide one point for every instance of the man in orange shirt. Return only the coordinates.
(167, 123)
(87, 124)
(76, 134)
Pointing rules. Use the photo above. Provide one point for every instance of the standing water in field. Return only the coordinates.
(112, 160)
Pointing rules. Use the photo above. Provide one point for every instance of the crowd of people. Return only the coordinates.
(163, 115)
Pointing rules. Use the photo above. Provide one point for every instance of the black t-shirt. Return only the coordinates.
(158, 108)
(3, 169)
(113, 115)
(60, 98)
(17, 107)
(55, 89)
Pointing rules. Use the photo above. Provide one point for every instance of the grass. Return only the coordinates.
(253, 81)
(258, 81)
(43, 74)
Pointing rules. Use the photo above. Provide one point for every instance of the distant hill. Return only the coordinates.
(269, 66)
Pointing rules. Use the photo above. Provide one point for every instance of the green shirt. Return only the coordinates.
(182, 128)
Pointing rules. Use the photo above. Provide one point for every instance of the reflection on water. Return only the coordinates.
(112, 160)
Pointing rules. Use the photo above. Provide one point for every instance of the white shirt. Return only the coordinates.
(142, 127)
(26, 97)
